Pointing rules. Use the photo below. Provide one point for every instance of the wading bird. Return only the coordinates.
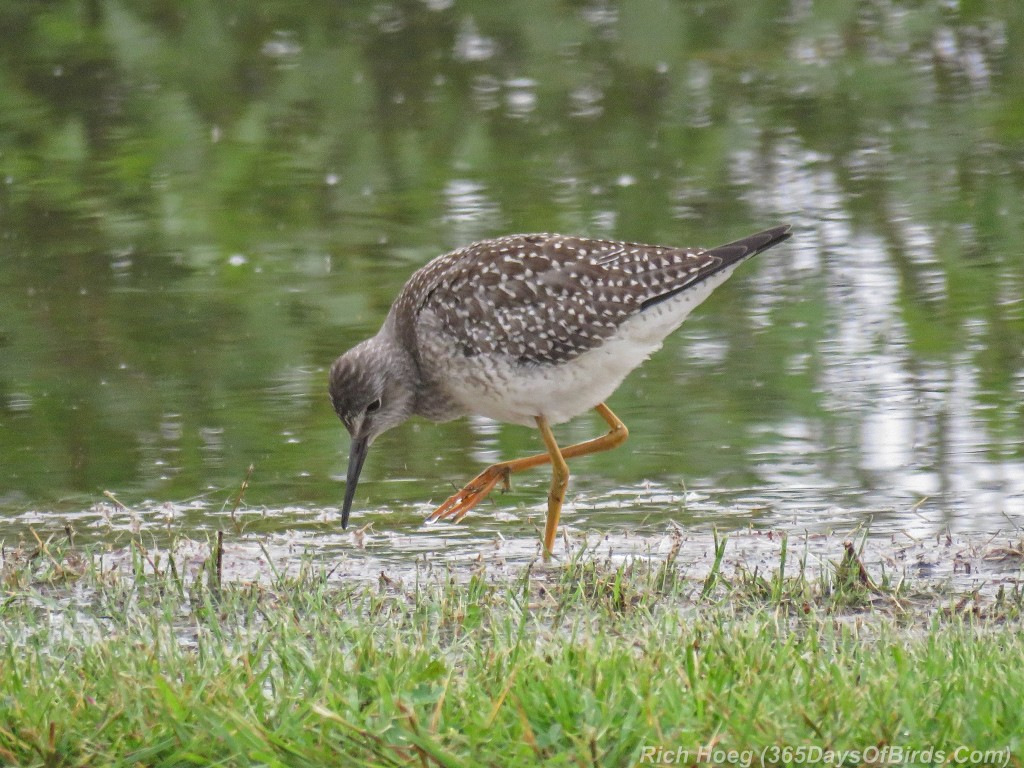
(524, 329)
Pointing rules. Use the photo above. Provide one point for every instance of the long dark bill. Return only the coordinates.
(356, 457)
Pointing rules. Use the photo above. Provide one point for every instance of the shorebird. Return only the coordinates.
(525, 329)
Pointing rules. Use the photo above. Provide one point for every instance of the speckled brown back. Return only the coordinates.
(546, 298)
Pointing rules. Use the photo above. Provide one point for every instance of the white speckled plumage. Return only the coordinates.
(550, 377)
(525, 326)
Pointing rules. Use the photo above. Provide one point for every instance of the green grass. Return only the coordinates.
(581, 664)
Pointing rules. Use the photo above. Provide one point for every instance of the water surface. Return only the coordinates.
(200, 209)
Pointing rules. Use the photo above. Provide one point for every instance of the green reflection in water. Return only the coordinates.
(202, 205)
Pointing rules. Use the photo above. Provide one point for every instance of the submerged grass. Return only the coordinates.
(593, 662)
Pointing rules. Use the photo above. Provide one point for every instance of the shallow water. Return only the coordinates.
(198, 214)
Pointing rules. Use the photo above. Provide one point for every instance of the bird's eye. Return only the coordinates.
(374, 406)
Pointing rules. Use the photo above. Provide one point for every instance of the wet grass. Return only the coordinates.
(591, 662)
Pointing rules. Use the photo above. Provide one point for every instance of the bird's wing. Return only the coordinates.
(548, 298)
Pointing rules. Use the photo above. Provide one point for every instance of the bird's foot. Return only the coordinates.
(476, 490)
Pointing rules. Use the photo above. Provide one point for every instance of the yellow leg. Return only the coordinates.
(559, 482)
(459, 504)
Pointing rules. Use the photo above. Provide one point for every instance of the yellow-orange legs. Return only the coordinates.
(458, 505)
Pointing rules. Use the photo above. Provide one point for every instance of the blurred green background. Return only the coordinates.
(202, 204)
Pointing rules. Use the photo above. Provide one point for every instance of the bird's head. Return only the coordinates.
(373, 388)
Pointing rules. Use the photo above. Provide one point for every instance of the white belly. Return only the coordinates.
(517, 394)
